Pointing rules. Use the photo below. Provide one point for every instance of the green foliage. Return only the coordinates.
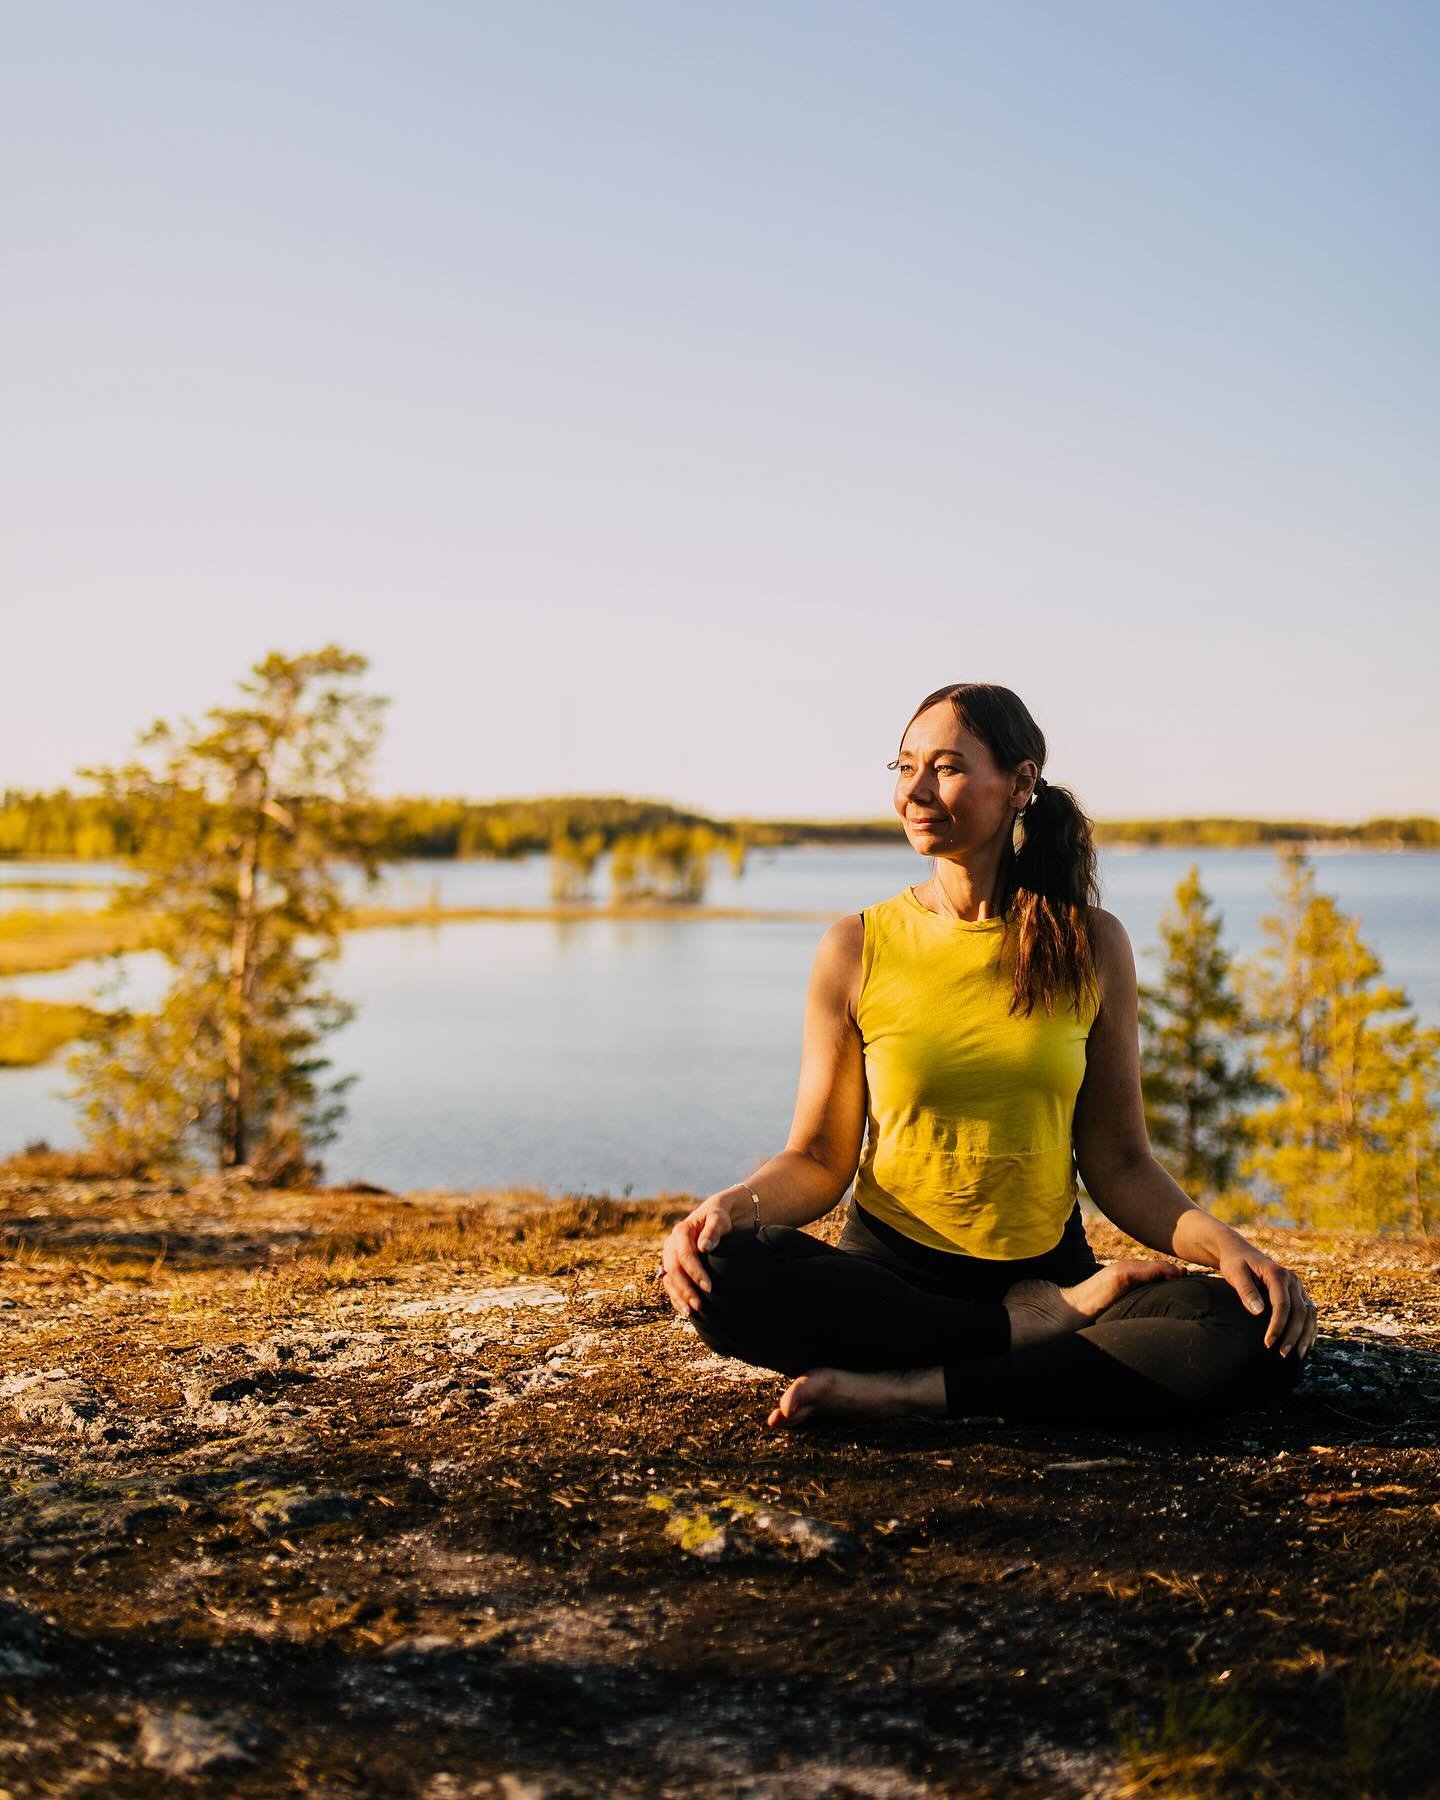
(572, 862)
(509, 828)
(1351, 1141)
(1390, 1692)
(671, 864)
(63, 824)
(1233, 834)
(1208, 1741)
(97, 828)
(1390, 1718)
(238, 829)
(1196, 1080)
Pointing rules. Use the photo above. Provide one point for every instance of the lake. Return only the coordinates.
(610, 1054)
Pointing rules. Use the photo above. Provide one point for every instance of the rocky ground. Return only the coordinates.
(348, 1493)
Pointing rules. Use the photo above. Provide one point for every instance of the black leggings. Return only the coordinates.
(1165, 1353)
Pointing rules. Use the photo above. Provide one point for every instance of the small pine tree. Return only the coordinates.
(567, 867)
(1196, 1080)
(1406, 1177)
(624, 869)
(239, 828)
(680, 862)
(572, 863)
(1352, 1140)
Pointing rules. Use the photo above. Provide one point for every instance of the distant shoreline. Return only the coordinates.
(367, 918)
(1119, 845)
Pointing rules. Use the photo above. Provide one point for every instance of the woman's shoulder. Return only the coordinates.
(1109, 944)
(1106, 930)
(848, 948)
(886, 914)
(846, 937)
(839, 961)
(841, 944)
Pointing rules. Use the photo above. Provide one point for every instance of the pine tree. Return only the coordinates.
(1196, 1080)
(1407, 1178)
(624, 869)
(734, 849)
(1352, 1141)
(239, 830)
(680, 862)
(572, 863)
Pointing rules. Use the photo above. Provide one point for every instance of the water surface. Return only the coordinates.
(605, 1054)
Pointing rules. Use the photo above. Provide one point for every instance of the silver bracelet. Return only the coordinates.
(755, 1197)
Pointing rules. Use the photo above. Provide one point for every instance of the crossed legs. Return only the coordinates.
(861, 1337)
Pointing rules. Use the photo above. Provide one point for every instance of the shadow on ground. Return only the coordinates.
(431, 1495)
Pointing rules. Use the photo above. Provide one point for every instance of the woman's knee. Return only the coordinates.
(1219, 1304)
(737, 1268)
(1203, 1299)
(745, 1242)
(1266, 1375)
(1217, 1355)
(730, 1266)
(1247, 1370)
(747, 1340)
(747, 1264)
(750, 1311)
(712, 1333)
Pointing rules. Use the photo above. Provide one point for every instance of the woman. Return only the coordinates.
(984, 1026)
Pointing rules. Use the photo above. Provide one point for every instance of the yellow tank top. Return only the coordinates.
(970, 1114)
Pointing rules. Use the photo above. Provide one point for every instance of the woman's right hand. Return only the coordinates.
(684, 1274)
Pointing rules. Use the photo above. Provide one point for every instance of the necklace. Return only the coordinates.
(946, 910)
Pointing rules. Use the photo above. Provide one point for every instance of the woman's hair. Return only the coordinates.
(1048, 885)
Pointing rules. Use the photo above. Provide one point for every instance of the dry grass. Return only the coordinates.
(38, 1162)
(1209, 1741)
(34, 942)
(32, 1031)
(548, 1239)
(291, 1248)
(1390, 1708)
(37, 942)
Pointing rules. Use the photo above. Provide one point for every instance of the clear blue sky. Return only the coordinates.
(666, 395)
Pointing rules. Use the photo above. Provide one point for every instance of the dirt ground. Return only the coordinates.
(432, 1495)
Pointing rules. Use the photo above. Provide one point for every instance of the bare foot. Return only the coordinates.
(884, 1395)
(1040, 1310)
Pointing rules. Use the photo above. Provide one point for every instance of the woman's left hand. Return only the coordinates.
(1256, 1277)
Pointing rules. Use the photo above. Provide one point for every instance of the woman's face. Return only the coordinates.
(948, 789)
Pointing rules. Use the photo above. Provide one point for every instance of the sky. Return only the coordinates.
(666, 396)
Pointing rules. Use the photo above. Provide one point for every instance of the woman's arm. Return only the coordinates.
(1122, 1177)
(810, 1175)
(806, 1179)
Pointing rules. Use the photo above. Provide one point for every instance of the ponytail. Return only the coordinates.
(1048, 887)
